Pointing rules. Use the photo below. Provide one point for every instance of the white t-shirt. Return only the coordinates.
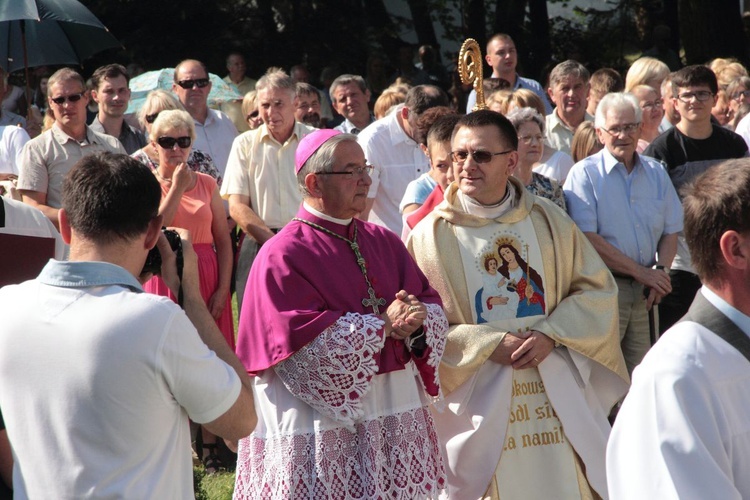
(97, 383)
(743, 128)
(557, 167)
(12, 140)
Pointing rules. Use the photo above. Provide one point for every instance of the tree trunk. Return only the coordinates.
(672, 19)
(475, 22)
(509, 19)
(714, 28)
(420, 15)
(540, 53)
(382, 25)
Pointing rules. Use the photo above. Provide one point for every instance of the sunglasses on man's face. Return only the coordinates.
(169, 142)
(189, 84)
(479, 156)
(70, 98)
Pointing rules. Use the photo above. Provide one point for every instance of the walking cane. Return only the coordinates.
(651, 325)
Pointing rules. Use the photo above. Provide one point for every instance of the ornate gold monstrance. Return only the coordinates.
(470, 70)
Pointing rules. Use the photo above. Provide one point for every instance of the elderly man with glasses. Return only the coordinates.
(344, 335)
(688, 149)
(532, 365)
(46, 159)
(628, 208)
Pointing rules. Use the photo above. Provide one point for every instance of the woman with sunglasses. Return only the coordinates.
(529, 125)
(191, 200)
(156, 102)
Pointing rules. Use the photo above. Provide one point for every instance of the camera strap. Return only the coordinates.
(2, 212)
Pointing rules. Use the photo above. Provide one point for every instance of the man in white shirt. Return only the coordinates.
(12, 140)
(97, 379)
(683, 430)
(391, 145)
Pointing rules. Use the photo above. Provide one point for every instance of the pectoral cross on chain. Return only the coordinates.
(373, 301)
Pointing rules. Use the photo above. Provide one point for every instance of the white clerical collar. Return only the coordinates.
(473, 207)
(318, 213)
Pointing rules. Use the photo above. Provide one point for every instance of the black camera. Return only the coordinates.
(153, 261)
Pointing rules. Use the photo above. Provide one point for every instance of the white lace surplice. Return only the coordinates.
(332, 428)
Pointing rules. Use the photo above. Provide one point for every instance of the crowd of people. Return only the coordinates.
(432, 303)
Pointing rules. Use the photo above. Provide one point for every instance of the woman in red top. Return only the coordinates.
(191, 200)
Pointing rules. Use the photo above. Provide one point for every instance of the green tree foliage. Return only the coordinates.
(157, 33)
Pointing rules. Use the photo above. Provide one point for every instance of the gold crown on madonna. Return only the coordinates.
(508, 240)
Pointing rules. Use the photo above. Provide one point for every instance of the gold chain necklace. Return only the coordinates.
(371, 301)
(156, 171)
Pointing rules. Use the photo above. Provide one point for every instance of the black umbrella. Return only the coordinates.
(49, 32)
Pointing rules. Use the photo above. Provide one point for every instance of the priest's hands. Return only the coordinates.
(523, 349)
(404, 316)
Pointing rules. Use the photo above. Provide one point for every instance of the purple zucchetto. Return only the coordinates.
(310, 144)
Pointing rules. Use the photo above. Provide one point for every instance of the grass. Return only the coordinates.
(219, 486)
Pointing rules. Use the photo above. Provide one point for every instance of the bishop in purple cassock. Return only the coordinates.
(344, 335)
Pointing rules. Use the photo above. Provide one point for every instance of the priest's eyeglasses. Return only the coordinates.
(358, 171)
(479, 156)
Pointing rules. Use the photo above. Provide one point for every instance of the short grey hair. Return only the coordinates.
(277, 79)
(322, 160)
(568, 68)
(346, 80)
(519, 116)
(617, 100)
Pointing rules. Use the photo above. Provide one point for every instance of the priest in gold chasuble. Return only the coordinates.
(532, 365)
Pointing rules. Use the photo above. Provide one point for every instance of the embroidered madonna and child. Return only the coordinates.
(511, 287)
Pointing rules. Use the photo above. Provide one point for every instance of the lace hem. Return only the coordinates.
(334, 371)
(394, 457)
(436, 330)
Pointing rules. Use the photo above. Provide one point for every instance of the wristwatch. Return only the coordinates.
(662, 268)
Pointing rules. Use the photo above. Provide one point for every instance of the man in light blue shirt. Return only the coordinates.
(503, 59)
(628, 208)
